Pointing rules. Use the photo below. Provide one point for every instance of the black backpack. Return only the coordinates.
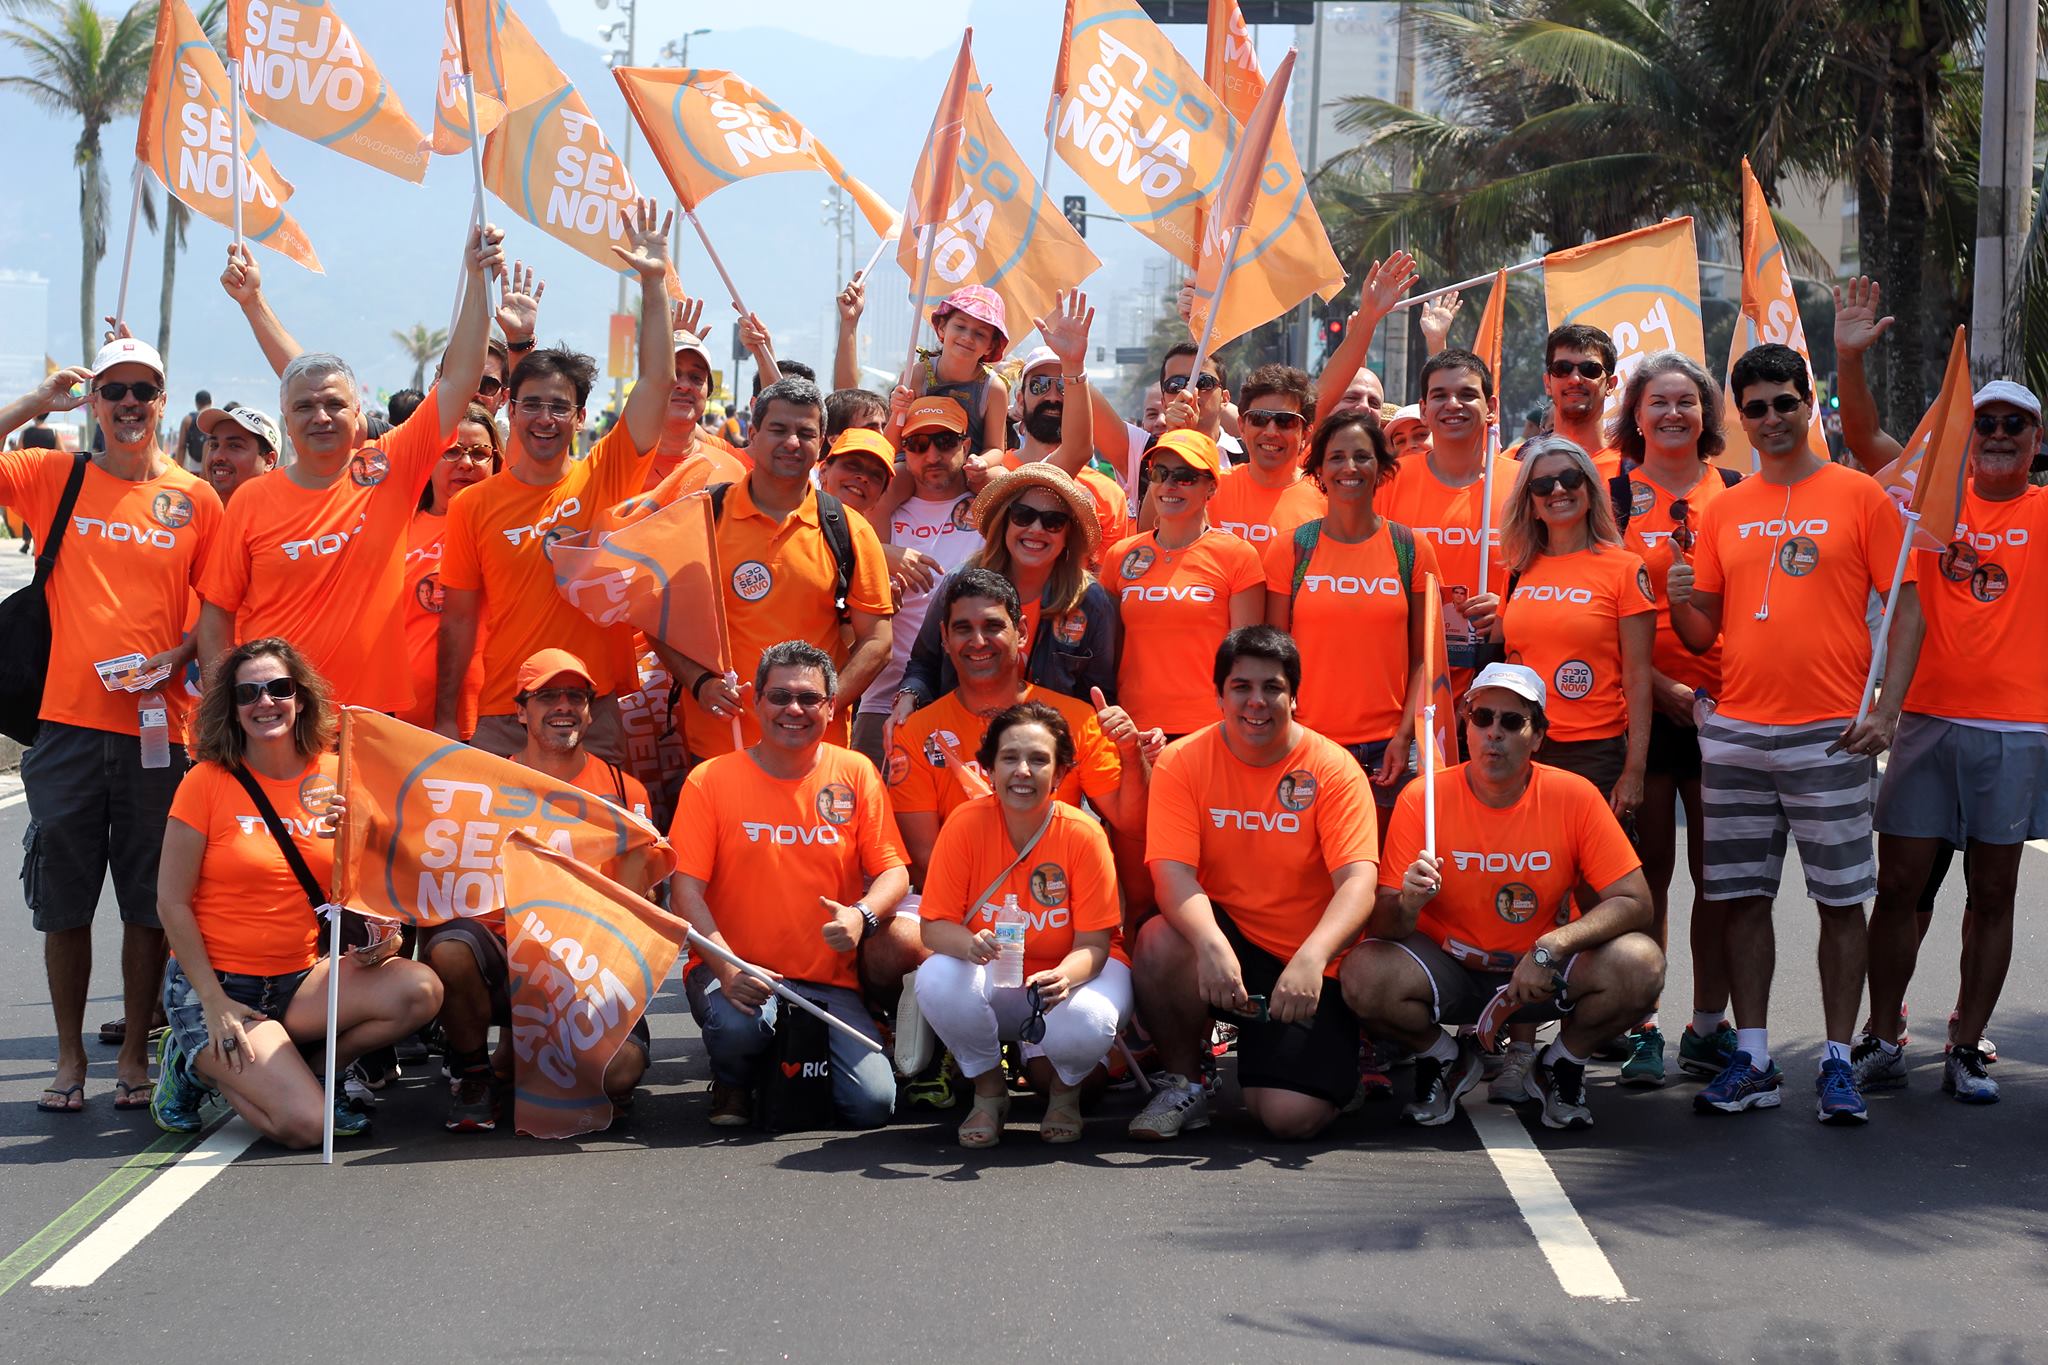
(25, 625)
(838, 538)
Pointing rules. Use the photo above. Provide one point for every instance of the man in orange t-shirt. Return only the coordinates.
(1489, 922)
(314, 553)
(494, 557)
(787, 855)
(1266, 497)
(1578, 376)
(684, 437)
(1263, 846)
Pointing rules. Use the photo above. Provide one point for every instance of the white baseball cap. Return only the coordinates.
(1410, 413)
(1037, 357)
(252, 420)
(691, 342)
(2006, 391)
(1516, 678)
(129, 351)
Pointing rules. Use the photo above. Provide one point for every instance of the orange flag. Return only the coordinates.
(427, 815)
(185, 141)
(937, 176)
(1487, 346)
(1283, 255)
(585, 956)
(710, 128)
(965, 770)
(1437, 652)
(655, 567)
(510, 69)
(999, 230)
(1137, 124)
(303, 70)
(1770, 313)
(1642, 288)
(1929, 476)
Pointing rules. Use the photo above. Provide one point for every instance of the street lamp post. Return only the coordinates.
(630, 21)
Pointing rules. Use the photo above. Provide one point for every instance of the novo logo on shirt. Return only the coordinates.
(1351, 586)
(569, 508)
(1257, 821)
(304, 829)
(1986, 541)
(330, 543)
(1179, 593)
(1457, 535)
(1252, 531)
(787, 835)
(1546, 592)
(1538, 861)
(126, 533)
(1775, 527)
(1041, 920)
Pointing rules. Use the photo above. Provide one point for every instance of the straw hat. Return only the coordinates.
(1001, 489)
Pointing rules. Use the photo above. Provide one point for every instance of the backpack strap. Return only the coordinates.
(1404, 554)
(718, 492)
(1621, 494)
(1729, 477)
(1305, 537)
(285, 843)
(53, 541)
(839, 539)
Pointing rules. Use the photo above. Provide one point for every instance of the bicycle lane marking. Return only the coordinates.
(1575, 1257)
(59, 1231)
(124, 1231)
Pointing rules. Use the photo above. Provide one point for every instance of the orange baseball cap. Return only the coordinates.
(545, 665)
(863, 441)
(1192, 446)
(935, 412)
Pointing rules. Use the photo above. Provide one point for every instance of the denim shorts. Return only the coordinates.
(1368, 756)
(271, 996)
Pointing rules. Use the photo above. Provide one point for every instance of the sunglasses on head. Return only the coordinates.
(2013, 423)
(488, 386)
(1180, 475)
(1024, 516)
(780, 697)
(1039, 385)
(247, 693)
(1585, 369)
(1572, 480)
(945, 442)
(1755, 408)
(1514, 722)
(143, 391)
(1179, 384)
(1271, 417)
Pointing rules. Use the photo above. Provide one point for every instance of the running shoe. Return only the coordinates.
(1644, 1068)
(1561, 1086)
(472, 1106)
(178, 1097)
(1740, 1086)
(1708, 1056)
(1510, 1083)
(1177, 1104)
(349, 1121)
(1840, 1102)
(1985, 1047)
(1876, 1067)
(1440, 1085)
(935, 1091)
(356, 1088)
(1963, 1075)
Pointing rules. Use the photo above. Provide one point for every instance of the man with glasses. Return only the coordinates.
(141, 526)
(1782, 572)
(1578, 374)
(1195, 400)
(684, 437)
(1268, 496)
(1489, 924)
(494, 558)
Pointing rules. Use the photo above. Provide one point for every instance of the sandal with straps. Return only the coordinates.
(983, 1126)
(1062, 1121)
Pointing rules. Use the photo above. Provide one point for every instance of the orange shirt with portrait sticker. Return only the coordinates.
(1255, 512)
(1985, 603)
(1263, 841)
(1174, 608)
(325, 567)
(123, 579)
(921, 777)
(1350, 621)
(767, 849)
(778, 586)
(423, 602)
(1067, 884)
(1448, 518)
(252, 913)
(1509, 875)
(1564, 620)
(499, 530)
(1650, 534)
(1814, 552)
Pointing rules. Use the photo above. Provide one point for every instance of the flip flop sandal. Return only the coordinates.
(135, 1096)
(67, 1092)
(113, 1033)
(983, 1126)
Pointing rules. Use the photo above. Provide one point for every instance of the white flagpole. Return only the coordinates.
(235, 94)
(1884, 622)
(1417, 300)
(732, 290)
(333, 1015)
(875, 259)
(1486, 500)
(128, 252)
(710, 949)
(924, 277)
(1215, 304)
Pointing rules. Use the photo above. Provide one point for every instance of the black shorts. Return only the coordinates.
(1674, 749)
(1460, 993)
(92, 809)
(1319, 1058)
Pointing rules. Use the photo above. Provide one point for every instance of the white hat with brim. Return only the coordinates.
(252, 420)
(1516, 678)
(127, 351)
(694, 344)
(2006, 391)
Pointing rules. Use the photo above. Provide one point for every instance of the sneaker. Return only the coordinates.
(1615, 1049)
(1840, 1101)
(936, 1091)
(356, 1088)
(1644, 1068)
(1708, 1056)
(1561, 1086)
(1875, 1068)
(1510, 1083)
(1986, 1049)
(1963, 1076)
(349, 1121)
(1176, 1104)
(379, 1069)
(1905, 1035)
(732, 1106)
(179, 1096)
(1440, 1085)
(472, 1107)
(1740, 1086)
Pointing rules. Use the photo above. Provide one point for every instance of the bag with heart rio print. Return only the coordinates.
(795, 1085)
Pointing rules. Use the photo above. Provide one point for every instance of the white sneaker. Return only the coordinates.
(1510, 1083)
(1176, 1103)
(1963, 1075)
(1876, 1067)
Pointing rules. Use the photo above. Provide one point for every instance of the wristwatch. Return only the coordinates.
(1542, 957)
(868, 921)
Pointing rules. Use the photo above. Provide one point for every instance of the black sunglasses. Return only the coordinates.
(489, 385)
(144, 391)
(945, 442)
(1179, 383)
(1034, 1027)
(1783, 403)
(1514, 722)
(1181, 475)
(283, 689)
(1024, 516)
(1681, 534)
(1269, 417)
(1585, 369)
(1571, 479)
(1039, 385)
(1988, 424)
(780, 697)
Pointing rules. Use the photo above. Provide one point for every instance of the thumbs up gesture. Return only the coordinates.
(1678, 581)
(1117, 725)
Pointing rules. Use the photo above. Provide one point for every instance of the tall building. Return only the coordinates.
(25, 303)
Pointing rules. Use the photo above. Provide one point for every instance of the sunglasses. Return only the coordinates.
(780, 697)
(1514, 722)
(1179, 384)
(1024, 516)
(1179, 475)
(488, 386)
(1269, 417)
(1260, 1007)
(144, 392)
(1572, 480)
(2013, 424)
(945, 442)
(1681, 534)
(1584, 369)
(247, 693)
(1755, 408)
(1039, 385)
(1034, 1027)
(474, 454)
(555, 696)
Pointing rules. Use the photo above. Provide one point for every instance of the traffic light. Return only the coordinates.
(1075, 206)
(1333, 331)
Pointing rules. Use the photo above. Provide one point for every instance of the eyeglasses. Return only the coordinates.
(1024, 516)
(1270, 417)
(474, 454)
(945, 442)
(1033, 1030)
(1571, 479)
(144, 392)
(284, 689)
(779, 697)
(1755, 408)
(544, 407)
(1584, 369)
(1179, 384)
(1514, 722)
(555, 696)
(488, 386)
(2013, 423)
(1039, 385)
(1180, 475)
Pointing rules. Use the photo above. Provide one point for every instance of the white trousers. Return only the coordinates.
(974, 1019)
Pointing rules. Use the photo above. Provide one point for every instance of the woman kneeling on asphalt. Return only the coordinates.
(1020, 847)
(246, 985)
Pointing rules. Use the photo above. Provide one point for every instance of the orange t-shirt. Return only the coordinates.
(252, 913)
(1448, 518)
(921, 778)
(778, 586)
(1174, 609)
(498, 535)
(1985, 609)
(767, 849)
(325, 567)
(423, 599)
(1564, 620)
(1813, 552)
(1067, 885)
(1263, 841)
(722, 464)
(1509, 875)
(1649, 534)
(123, 581)
(1252, 511)
(1350, 621)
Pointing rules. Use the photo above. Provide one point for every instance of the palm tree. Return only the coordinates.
(88, 67)
(423, 344)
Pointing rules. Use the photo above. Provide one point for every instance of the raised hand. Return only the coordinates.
(1435, 320)
(646, 249)
(66, 390)
(687, 316)
(1066, 331)
(242, 280)
(519, 311)
(1857, 324)
(487, 251)
(853, 301)
(1385, 284)
(754, 332)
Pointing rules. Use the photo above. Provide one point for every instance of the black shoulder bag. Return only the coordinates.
(25, 626)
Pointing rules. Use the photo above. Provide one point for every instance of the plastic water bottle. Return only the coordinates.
(155, 724)
(1008, 968)
(1702, 708)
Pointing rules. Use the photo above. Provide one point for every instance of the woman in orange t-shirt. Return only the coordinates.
(471, 455)
(1180, 588)
(246, 984)
(1019, 844)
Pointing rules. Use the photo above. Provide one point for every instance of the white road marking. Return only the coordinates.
(11, 792)
(96, 1254)
(1582, 1269)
